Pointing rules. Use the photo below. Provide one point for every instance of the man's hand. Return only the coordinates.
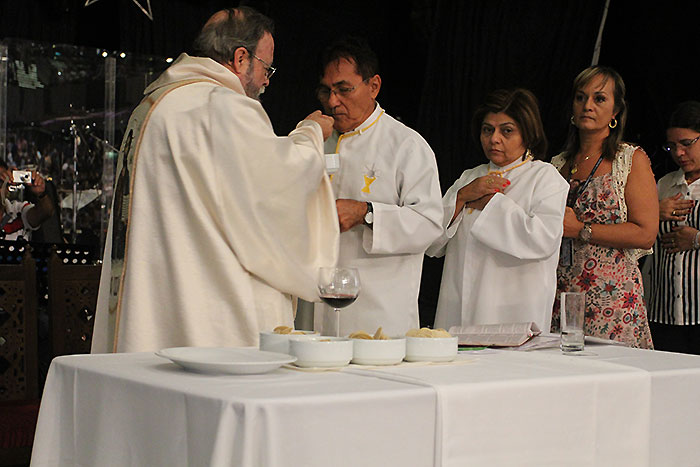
(325, 121)
(350, 213)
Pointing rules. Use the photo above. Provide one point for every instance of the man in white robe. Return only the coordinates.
(217, 222)
(388, 196)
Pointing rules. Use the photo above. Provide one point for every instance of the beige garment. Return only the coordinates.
(226, 220)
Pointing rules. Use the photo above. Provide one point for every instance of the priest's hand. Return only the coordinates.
(572, 226)
(325, 121)
(350, 213)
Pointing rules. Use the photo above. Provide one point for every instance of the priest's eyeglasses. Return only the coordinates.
(269, 69)
(323, 93)
(686, 143)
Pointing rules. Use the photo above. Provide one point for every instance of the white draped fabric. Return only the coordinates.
(612, 406)
(227, 220)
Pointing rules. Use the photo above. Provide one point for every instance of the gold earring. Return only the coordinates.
(572, 121)
(613, 123)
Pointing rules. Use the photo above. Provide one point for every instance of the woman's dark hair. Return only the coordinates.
(244, 27)
(612, 142)
(520, 105)
(686, 115)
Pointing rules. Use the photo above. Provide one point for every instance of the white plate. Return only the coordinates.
(228, 360)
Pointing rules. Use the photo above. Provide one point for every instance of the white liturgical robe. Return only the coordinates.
(226, 219)
(390, 165)
(501, 263)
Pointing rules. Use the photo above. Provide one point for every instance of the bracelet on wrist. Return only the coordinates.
(696, 241)
(585, 233)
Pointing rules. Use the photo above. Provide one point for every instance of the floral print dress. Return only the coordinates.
(612, 283)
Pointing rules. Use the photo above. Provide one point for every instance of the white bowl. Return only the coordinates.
(321, 351)
(273, 342)
(431, 349)
(379, 352)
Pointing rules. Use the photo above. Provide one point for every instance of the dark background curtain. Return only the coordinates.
(438, 59)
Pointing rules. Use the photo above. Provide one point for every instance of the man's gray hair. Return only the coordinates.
(243, 27)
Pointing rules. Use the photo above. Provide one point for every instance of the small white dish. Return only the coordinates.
(379, 352)
(273, 342)
(227, 360)
(321, 351)
(431, 349)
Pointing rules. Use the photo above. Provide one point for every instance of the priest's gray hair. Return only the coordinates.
(230, 29)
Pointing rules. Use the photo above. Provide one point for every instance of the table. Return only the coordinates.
(615, 406)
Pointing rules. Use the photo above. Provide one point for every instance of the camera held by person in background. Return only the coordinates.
(22, 176)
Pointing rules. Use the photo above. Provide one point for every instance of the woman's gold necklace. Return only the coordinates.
(574, 166)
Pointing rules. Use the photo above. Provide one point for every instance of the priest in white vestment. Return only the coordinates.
(388, 196)
(503, 223)
(217, 222)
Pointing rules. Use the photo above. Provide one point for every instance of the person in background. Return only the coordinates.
(217, 222)
(612, 214)
(503, 222)
(20, 218)
(387, 191)
(674, 299)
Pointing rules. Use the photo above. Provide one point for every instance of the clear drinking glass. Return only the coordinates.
(572, 313)
(338, 287)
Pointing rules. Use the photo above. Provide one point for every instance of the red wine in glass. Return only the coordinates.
(338, 300)
(338, 287)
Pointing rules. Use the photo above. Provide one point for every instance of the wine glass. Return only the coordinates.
(338, 287)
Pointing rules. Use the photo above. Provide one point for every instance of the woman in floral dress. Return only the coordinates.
(613, 212)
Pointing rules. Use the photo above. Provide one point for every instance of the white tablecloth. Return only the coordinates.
(618, 407)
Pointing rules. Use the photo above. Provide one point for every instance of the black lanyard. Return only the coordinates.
(572, 200)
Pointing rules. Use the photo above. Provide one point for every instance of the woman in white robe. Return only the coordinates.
(503, 222)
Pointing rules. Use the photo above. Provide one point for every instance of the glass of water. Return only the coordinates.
(572, 311)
